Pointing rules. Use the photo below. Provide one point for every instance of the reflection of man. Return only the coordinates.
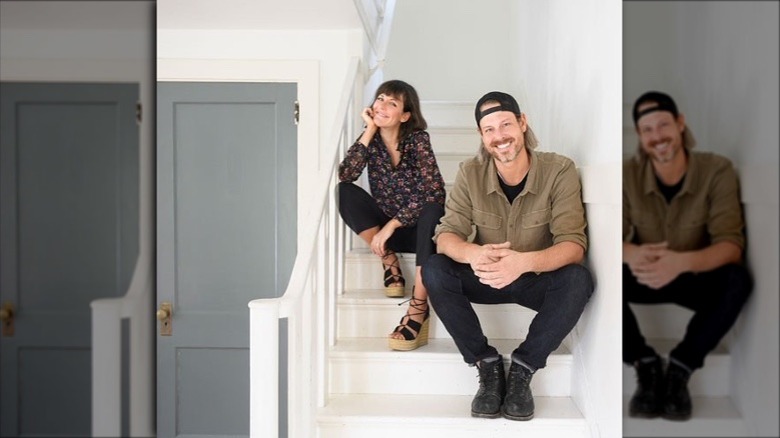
(530, 235)
(682, 243)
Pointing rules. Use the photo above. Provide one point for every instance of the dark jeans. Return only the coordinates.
(559, 297)
(361, 212)
(716, 297)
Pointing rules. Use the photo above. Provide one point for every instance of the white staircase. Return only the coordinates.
(377, 392)
(714, 411)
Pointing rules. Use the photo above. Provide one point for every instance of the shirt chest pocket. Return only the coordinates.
(537, 218)
(693, 218)
(489, 228)
(487, 220)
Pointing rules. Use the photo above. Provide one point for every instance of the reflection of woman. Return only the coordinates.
(407, 202)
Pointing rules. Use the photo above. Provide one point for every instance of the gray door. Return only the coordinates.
(226, 232)
(69, 234)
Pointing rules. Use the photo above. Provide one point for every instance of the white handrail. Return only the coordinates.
(376, 17)
(308, 301)
(107, 316)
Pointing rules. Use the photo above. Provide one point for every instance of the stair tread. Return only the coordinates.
(359, 253)
(432, 409)
(437, 348)
(377, 297)
(712, 416)
(710, 381)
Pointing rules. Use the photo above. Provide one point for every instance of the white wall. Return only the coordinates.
(561, 59)
(719, 60)
(451, 50)
(567, 73)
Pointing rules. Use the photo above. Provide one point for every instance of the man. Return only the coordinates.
(527, 209)
(682, 243)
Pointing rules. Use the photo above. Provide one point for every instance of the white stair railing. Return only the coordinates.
(107, 316)
(309, 301)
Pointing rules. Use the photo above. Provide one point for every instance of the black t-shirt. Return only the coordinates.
(669, 191)
(511, 192)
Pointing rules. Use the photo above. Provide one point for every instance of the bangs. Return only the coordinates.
(394, 90)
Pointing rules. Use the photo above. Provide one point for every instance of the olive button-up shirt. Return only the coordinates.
(706, 210)
(549, 210)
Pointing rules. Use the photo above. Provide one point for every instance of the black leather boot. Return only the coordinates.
(519, 402)
(677, 401)
(646, 401)
(492, 387)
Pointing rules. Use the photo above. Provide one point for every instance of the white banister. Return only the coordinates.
(263, 357)
(308, 302)
(106, 368)
(107, 316)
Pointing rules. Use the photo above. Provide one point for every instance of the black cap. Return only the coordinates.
(505, 103)
(664, 103)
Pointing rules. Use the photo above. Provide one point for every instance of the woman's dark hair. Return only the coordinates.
(400, 89)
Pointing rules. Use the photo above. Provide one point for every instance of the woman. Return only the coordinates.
(407, 201)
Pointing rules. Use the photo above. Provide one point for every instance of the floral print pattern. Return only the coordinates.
(399, 191)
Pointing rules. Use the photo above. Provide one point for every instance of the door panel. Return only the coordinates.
(226, 236)
(69, 233)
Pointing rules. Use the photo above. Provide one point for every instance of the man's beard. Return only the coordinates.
(501, 154)
(664, 156)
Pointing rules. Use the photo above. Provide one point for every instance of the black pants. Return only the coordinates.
(716, 297)
(559, 297)
(361, 212)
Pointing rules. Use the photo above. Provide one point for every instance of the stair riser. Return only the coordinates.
(449, 114)
(662, 321)
(360, 375)
(449, 165)
(365, 271)
(710, 381)
(504, 321)
(455, 140)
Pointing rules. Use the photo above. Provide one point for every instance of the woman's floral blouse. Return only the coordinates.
(399, 191)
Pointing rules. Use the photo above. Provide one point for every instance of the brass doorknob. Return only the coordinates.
(7, 319)
(164, 315)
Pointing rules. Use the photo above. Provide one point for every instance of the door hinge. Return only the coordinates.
(297, 112)
(138, 112)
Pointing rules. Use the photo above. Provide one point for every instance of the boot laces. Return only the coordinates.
(519, 379)
(488, 373)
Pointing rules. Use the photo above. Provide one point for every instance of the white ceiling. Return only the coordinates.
(179, 14)
(257, 14)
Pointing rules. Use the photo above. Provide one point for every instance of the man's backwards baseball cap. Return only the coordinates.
(505, 103)
(663, 103)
